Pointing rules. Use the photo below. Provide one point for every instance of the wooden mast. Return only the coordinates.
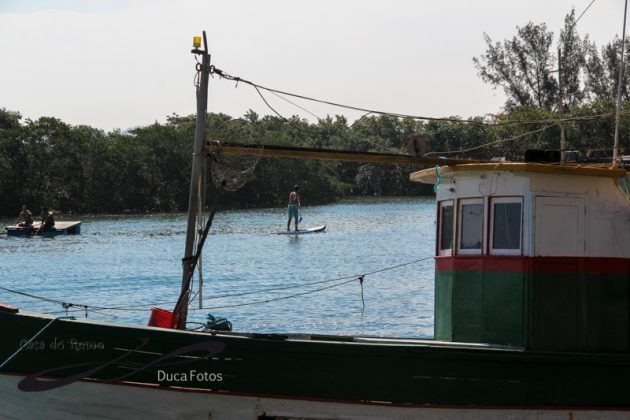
(203, 68)
(327, 154)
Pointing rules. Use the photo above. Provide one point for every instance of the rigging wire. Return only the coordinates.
(259, 87)
(281, 297)
(291, 123)
(296, 105)
(481, 146)
(582, 14)
(42, 298)
(287, 287)
(360, 278)
(549, 122)
(228, 76)
(27, 342)
(552, 123)
(267, 103)
(145, 306)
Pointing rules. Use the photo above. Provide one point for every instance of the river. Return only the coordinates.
(134, 262)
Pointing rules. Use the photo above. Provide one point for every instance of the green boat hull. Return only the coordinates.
(331, 368)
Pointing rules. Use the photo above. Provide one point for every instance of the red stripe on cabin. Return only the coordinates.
(593, 265)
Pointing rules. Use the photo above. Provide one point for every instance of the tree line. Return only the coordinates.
(531, 71)
(81, 169)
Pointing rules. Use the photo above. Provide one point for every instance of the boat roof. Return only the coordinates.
(428, 176)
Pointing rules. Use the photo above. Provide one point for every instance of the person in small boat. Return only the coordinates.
(25, 219)
(48, 221)
(294, 205)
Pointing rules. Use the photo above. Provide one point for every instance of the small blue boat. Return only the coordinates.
(60, 228)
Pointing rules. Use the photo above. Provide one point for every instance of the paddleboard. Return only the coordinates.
(301, 231)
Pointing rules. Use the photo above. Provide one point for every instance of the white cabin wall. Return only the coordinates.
(486, 185)
(482, 184)
(607, 214)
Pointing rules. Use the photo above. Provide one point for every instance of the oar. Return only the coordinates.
(41, 225)
(300, 214)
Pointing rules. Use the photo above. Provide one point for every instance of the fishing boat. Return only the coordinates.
(60, 228)
(532, 319)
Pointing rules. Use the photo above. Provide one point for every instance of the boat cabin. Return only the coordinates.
(532, 255)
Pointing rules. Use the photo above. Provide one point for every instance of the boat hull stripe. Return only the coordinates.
(568, 265)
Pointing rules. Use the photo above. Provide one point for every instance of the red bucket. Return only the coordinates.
(162, 318)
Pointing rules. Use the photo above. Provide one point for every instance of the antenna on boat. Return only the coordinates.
(203, 72)
(560, 93)
(621, 71)
(563, 144)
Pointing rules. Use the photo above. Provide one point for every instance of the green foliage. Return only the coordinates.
(522, 66)
(81, 169)
(602, 76)
(526, 67)
(147, 169)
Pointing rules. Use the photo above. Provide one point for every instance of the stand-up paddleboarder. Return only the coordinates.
(294, 205)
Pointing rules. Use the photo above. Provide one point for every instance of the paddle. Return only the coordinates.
(300, 214)
(44, 221)
(41, 225)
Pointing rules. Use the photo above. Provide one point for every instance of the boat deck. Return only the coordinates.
(60, 228)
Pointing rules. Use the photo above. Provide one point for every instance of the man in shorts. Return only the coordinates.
(294, 205)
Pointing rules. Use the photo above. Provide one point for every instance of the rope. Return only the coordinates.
(65, 305)
(294, 286)
(355, 277)
(279, 298)
(145, 306)
(228, 76)
(438, 178)
(29, 341)
(547, 121)
(481, 146)
(297, 106)
(17, 292)
(361, 283)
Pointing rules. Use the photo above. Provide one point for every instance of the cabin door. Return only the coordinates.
(559, 228)
(555, 283)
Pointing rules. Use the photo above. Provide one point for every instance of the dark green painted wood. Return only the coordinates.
(483, 307)
(400, 373)
(554, 312)
(606, 313)
(468, 306)
(579, 312)
(575, 312)
(504, 308)
(443, 326)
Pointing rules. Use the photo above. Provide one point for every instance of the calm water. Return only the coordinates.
(133, 261)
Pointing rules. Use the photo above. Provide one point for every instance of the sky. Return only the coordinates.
(117, 64)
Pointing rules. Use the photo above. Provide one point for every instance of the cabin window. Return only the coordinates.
(506, 225)
(446, 228)
(470, 226)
